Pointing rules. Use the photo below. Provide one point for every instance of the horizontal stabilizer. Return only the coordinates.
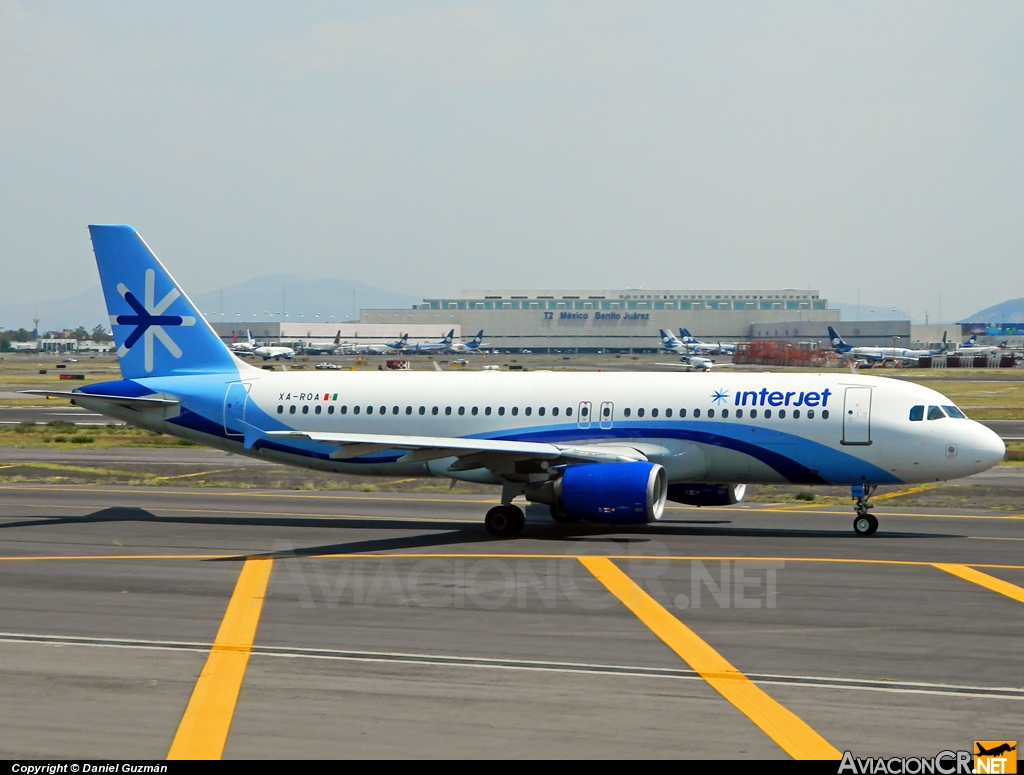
(133, 401)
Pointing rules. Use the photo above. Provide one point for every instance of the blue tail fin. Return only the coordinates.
(837, 341)
(157, 330)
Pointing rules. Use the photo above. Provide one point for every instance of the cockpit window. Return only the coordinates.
(952, 411)
(935, 413)
(916, 413)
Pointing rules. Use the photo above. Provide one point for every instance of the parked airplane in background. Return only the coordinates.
(275, 351)
(434, 347)
(243, 348)
(697, 346)
(472, 346)
(880, 354)
(604, 447)
(670, 342)
(971, 347)
(327, 349)
(697, 362)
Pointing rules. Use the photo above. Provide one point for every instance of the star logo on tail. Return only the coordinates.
(149, 320)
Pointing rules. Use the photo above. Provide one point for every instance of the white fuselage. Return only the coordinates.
(808, 428)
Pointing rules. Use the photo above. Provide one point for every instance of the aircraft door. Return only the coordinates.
(607, 415)
(234, 408)
(583, 415)
(857, 416)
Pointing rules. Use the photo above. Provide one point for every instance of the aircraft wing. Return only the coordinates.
(422, 448)
(135, 402)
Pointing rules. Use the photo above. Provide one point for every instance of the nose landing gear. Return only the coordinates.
(865, 523)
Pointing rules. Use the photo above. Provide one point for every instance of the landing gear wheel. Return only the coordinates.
(865, 524)
(504, 521)
(561, 516)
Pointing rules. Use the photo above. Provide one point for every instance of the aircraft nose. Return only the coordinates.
(989, 449)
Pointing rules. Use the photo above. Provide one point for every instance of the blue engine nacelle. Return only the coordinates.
(694, 494)
(617, 493)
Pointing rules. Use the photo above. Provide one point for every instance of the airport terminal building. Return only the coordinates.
(596, 320)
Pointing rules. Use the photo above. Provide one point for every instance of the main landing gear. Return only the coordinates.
(865, 523)
(505, 521)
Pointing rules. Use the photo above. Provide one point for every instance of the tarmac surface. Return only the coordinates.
(359, 625)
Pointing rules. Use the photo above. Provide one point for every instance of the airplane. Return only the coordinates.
(692, 363)
(433, 347)
(999, 749)
(331, 349)
(243, 348)
(472, 346)
(275, 351)
(973, 348)
(872, 355)
(670, 342)
(605, 447)
(697, 346)
(382, 349)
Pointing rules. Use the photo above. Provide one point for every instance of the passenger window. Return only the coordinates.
(408, 410)
(639, 412)
(515, 411)
(696, 412)
(810, 414)
(753, 414)
(529, 411)
(782, 414)
(280, 409)
(627, 411)
(540, 410)
(554, 411)
(935, 413)
(916, 413)
(668, 412)
(796, 414)
(462, 410)
(355, 410)
(344, 410)
(824, 414)
(767, 414)
(394, 410)
(952, 411)
(384, 410)
(568, 411)
(682, 413)
(585, 411)
(305, 410)
(475, 410)
(739, 413)
(448, 410)
(423, 410)
(711, 412)
(725, 413)
(369, 410)
(501, 410)
(654, 413)
(606, 411)
(291, 409)
(318, 409)
(487, 411)
(433, 410)
(330, 409)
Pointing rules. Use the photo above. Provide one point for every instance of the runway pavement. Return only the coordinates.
(392, 625)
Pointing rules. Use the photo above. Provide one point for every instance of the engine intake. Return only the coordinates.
(615, 493)
(694, 494)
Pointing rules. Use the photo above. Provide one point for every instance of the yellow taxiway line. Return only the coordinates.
(203, 730)
(788, 730)
(968, 573)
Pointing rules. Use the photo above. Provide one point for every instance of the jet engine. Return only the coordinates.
(694, 494)
(616, 493)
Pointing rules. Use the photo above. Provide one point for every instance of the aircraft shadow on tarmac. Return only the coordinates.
(469, 534)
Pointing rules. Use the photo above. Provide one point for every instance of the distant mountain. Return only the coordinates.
(256, 299)
(870, 312)
(1011, 311)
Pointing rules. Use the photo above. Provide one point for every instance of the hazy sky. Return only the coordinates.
(429, 147)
